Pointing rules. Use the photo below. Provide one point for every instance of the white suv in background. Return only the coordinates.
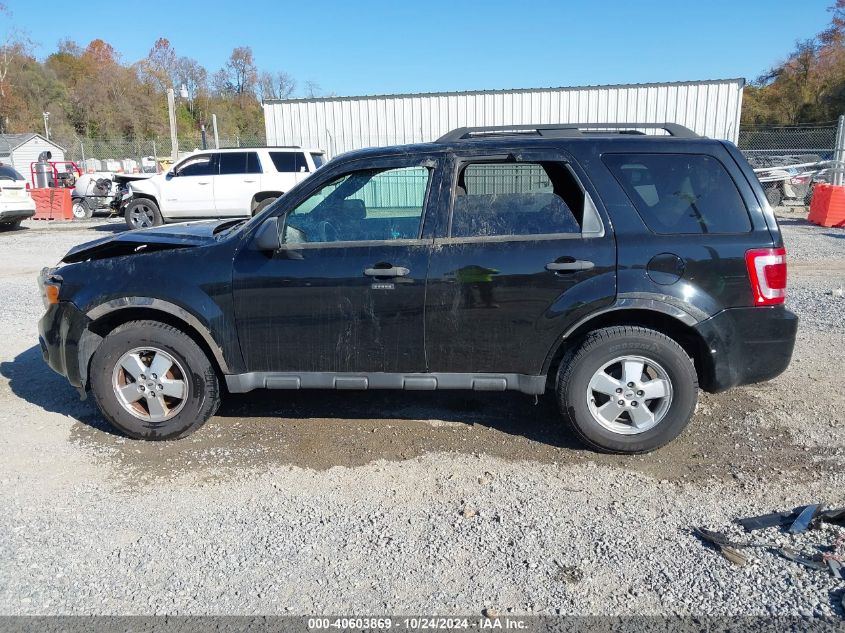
(16, 203)
(220, 183)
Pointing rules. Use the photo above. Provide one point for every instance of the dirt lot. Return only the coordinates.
(411, 502)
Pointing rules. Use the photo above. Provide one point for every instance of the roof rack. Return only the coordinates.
(563, 130)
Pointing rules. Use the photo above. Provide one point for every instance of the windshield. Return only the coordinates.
(7, 172)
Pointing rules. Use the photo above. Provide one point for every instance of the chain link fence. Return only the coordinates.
(136, 155)
(790, 159)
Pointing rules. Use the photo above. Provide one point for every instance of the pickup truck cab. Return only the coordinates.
(617, 269)
(221, 183)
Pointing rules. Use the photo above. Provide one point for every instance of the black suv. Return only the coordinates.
(620, 266)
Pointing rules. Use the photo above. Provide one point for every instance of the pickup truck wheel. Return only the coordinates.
(627, 389)
(81, 209)
(263, 205)
(153, 382)
(142, 213)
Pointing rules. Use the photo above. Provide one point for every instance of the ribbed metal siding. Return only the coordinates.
(711, 108)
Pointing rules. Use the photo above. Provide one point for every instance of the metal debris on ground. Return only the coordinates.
(777, 519)
(799, 558)
(727, 548)
(804, 519)
(774, 519)
(798, 521)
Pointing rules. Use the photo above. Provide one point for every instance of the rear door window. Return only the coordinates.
(283, 161)
(681, 193)
(239, 163)
(497, 199)
(289, 162)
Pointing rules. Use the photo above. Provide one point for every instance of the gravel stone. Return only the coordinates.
(357, 502)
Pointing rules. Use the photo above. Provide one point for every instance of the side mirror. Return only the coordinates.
(268, 238)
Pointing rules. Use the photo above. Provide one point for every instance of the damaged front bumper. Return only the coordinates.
(66, 343)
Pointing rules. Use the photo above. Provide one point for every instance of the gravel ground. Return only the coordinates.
(412, 503)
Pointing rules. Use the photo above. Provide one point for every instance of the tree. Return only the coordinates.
(193, 76)
(242, 75)
(160, 65)
(278, 85)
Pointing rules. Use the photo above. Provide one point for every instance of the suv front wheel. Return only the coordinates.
(627, 389)
(142, 213)
(153, 382)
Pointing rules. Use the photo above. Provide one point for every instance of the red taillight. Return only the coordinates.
(27, 186)
(767, 271)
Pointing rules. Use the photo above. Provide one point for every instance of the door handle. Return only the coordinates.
(563, 267)
(394, 271)
(250, 181)
(207, 182)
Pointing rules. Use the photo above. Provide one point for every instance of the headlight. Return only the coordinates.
(50, 286)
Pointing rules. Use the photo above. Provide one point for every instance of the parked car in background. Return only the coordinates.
(16, 203)
(221, 183)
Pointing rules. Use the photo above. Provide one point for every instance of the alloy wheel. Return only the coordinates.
(150, 384)
(629, 395)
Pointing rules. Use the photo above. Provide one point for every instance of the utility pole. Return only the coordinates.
(216, 136)
(46, 116)
(171, 111)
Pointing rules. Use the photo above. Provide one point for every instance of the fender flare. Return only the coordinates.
(122, 303)
(648, 302)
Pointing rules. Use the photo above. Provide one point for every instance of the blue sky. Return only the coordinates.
(372, 47)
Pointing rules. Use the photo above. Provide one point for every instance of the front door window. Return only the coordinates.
(366, 205)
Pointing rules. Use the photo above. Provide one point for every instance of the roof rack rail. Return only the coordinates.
(562, 130)
(257, 147)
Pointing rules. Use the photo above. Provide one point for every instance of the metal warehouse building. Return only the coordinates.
(340, 124)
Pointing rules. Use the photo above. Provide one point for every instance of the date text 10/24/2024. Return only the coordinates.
(417, 623)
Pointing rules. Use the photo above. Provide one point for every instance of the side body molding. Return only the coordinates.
(122, 303)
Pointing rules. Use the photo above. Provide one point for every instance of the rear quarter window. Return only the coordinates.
(681, 193)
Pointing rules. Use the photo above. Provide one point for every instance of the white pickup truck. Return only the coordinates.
(220, 183)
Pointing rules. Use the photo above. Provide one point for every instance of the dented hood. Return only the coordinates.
(167, 237)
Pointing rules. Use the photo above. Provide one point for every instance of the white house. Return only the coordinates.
(21, 150)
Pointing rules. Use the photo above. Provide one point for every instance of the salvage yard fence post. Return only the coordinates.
(839, 153)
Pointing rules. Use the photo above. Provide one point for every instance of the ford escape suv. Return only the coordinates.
(620, 267)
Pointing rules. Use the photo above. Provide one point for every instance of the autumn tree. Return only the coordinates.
(277, 85)
(241, 72)
(160, 65)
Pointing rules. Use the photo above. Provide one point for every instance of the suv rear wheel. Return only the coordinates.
(627, 389)
(153, 382)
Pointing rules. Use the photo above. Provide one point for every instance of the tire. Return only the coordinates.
(14, 225)
(263, 205)
(663, 360)
(81, 209)
(141, 346)
(774, 196)
(142, 213)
